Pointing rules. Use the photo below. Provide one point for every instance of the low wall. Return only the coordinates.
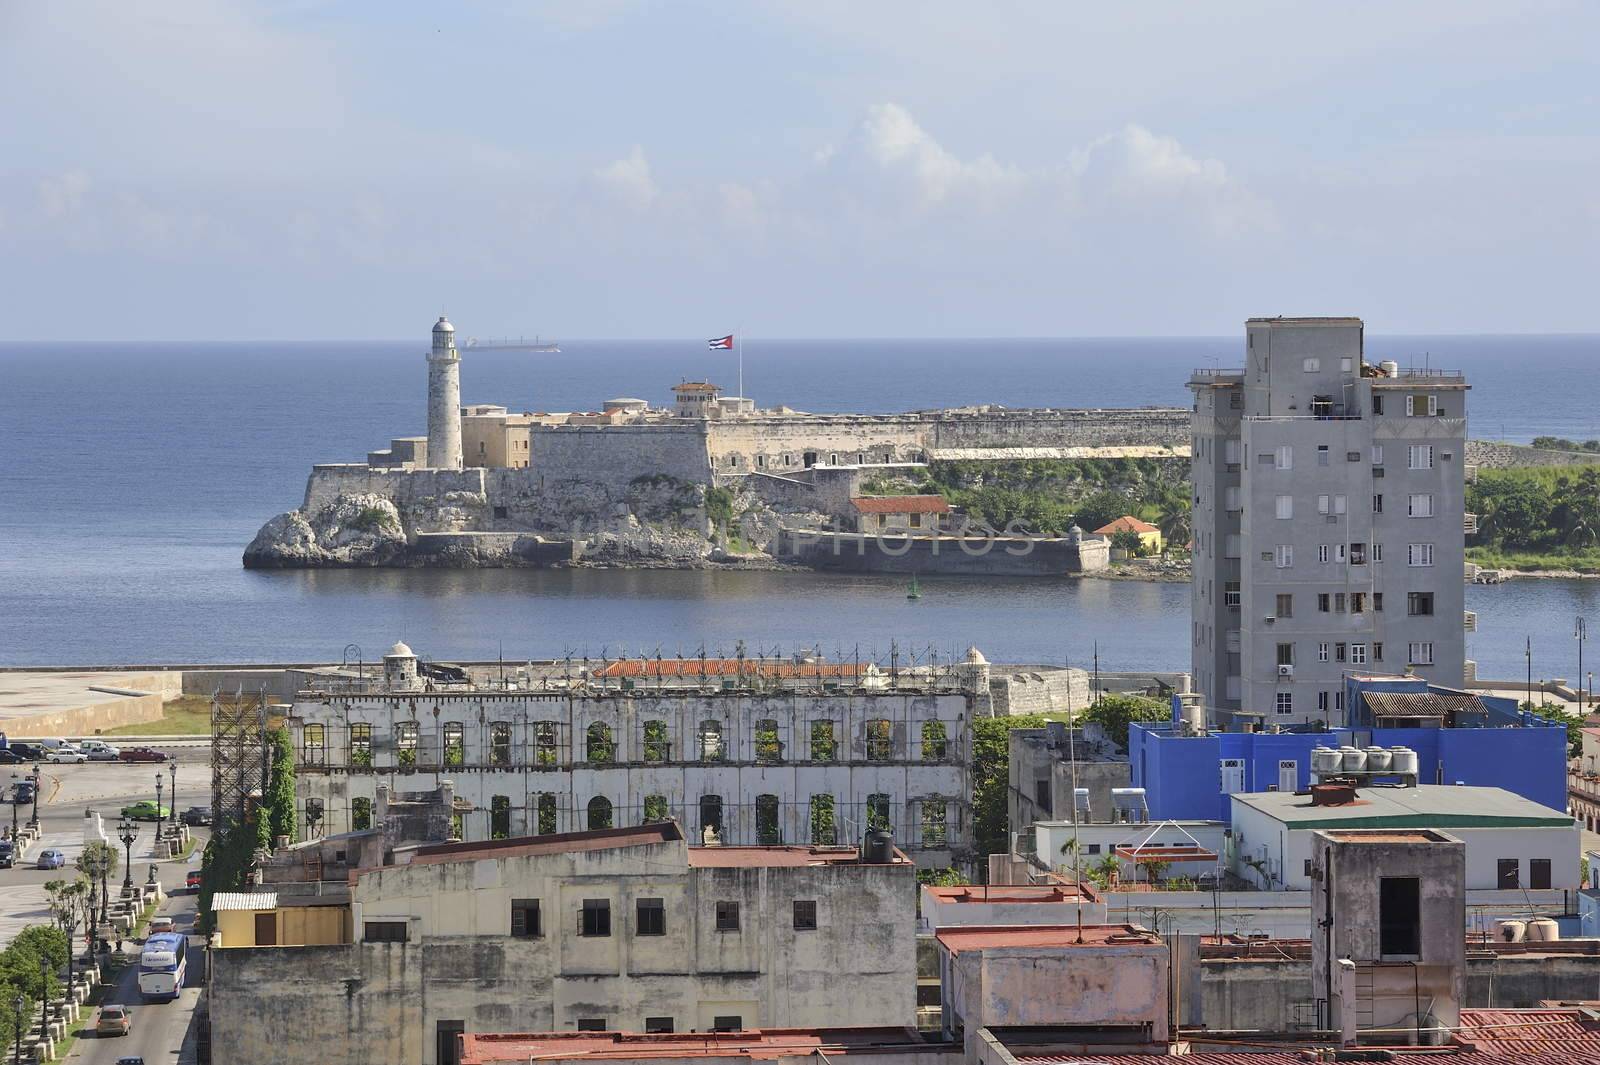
(1492, 454)
(1000, 557)
(82, 704)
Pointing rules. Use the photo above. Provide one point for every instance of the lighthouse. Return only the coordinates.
(444, 398)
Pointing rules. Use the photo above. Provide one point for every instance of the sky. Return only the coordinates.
(291, 169)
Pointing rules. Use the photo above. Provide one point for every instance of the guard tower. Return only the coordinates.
(444, 398)
(400, 669)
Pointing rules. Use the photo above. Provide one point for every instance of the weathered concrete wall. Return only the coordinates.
(405, 488)
(1252, 995)
(1491, 454)
(613, 456)
(1520, 981)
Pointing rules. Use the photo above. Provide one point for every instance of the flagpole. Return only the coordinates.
(738, 341)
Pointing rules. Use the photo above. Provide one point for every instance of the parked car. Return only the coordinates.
(196, 815)
(67, 755)
(114, 1020)
(135, 1060)
(8, 854)
(31, 752)
(192, 881)
(51, 858)
(140, 754)
(11, 757)
(159, 924)
(22, 792)
(145, 810)
(99, 751)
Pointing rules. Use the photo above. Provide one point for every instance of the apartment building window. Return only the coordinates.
(1285, 605)
(591, 1024)
(805, 915)
(655, 809)
(1236, 399)
(710, 819)
(1231, 498)
(769, 749)
(878, 812)
(1322, 454)
(525, 922)
(385, 931)
(1322, 553)
(823, 827)
(1358, 602)
(1283, 556)
(711, 741)
(658, 1026)
(547, 813)
(1334, 504)
(360, 814)
(1352, 456)
(1358, 554)
(1285, 505)
(1420, 654)
(650, 917)
(1377, 503)
(769, 821)
(1377, 449)
(1322, 602)
(1322, 652)
(1377, 554)
(1399, 916)
(880, 740)
(1377, 652)
(1506, 873)
(1419, 604)
(1420, 505)
(935, 828)
(1358, 654)
(1538, 872)
(1286, 654)
(313, 738)
(1419, 554)
(1419, 406)
(600, 815)
(1322, 702)
(594, 918)
(1338, 602)
(935, 741)
(727, 916)
(599, 747)
(1377, 403)
(1339, 652)
(500, 817)
(1285, 702)
(405, 743)
(1377, 602)
(1230, 593)
(1312, 365)
(1419, 457)
(544, 743)
(1338, 700)
(1283, 457)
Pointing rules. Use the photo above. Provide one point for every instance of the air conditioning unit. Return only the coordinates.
(1285, 671)
(1269, 619)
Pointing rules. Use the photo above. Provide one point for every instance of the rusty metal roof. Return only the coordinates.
(901, 504)
(1420, 704)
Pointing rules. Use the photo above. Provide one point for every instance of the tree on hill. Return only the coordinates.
(1115, 713)
(1101, 508)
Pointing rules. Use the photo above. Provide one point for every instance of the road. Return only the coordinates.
(69, 792)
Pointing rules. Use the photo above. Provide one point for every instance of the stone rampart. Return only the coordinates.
(401, 487)
(614, 456)
(1493, 454)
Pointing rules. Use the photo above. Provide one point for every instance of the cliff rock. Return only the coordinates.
(356, 530)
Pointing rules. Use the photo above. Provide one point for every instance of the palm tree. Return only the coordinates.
(99, 861)
(1173, 518)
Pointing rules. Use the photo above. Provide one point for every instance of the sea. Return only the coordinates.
(132, 475)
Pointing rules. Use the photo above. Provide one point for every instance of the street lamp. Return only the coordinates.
(15, 778)
(127, 832)
(16, 1014)
(33, 822)
(1580, 632)
(172, 767)
(160, 817)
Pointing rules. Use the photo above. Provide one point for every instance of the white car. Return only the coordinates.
(99, 751)
(66, 754)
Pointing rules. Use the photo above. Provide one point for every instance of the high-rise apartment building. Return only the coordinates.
(1328, 522)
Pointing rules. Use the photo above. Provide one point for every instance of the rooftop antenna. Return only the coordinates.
(1072, 758)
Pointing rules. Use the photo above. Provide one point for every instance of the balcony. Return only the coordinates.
(1469, 524)
(1469, 620)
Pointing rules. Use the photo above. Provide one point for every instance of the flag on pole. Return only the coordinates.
(721, 343)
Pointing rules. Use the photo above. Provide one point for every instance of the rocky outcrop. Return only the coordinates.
(356, 530)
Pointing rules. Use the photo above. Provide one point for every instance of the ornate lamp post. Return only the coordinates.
(127, 832)
(14, 780)
(16, 1007)
(172, 767)
(1580, 632)
(33, 822)
(160, 817)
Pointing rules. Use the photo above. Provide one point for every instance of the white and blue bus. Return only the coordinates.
(162, 964)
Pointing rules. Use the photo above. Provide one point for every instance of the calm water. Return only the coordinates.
(134, 474)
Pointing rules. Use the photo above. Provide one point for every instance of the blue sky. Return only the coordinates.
(172, 169)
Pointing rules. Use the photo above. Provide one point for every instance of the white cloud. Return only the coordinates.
(61, 195)
(629, 180)
(892, 140)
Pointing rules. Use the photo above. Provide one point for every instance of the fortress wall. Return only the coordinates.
(402, 487)
(1492, 454)
(614, 455)
(1158, 426)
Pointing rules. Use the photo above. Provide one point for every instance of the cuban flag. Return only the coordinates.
(721, 343)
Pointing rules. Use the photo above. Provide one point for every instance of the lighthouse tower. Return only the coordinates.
(444, 398)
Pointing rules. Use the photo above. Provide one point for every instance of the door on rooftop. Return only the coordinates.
(1288, 775)
(447, 1042)
(1232, 775)
(267, 929)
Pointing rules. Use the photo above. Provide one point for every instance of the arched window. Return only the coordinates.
(360, 814)
(599, 813)
(361, 744)
(656, 809)
(769, 827)
(544, 743)
(934, 741)
(711, 820)
(547, 813)
(824, 746)
(455, 743)
(314, 740)
(711, 741)
(935, 831)
(500, 743)
(600, 748)
(405, 742)
(657, 747)
(878, 812)
(880, 740)
(769, 749)
(500, 817)
(823, 833)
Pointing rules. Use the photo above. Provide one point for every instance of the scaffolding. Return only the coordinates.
(238, 753)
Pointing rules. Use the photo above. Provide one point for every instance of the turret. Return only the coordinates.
(444, 398)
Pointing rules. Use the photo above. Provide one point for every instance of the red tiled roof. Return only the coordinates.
(754, 1043)
(1563, 1034)
(725, 667)
(901, 504)
(982, 937)
(1126, 523)
(759, 857)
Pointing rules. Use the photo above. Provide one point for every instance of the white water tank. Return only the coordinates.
(1390, 368)
(1354, 759)
(1512, 931)
(1326, 761)
(1378, 759)
(1403, 761)
(1543, 930)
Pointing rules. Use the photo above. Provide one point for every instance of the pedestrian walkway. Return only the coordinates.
(22, 905)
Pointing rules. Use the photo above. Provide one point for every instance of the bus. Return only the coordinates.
(162, 964)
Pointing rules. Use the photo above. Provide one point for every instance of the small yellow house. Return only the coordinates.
(1149, 535)
(258, 919)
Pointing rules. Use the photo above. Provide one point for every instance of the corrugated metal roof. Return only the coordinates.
(1420, 704)
(244, 900)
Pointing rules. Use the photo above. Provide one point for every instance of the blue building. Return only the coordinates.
(1458, 736)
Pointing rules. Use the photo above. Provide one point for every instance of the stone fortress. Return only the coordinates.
(627, 484)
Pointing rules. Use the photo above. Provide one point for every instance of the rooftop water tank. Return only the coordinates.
(1326, 761)
(1403, 761)
(878, 848)
(1543, 930)
(1354, 758)
(1390, 368)
(1512, 931)
(1379, 759)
